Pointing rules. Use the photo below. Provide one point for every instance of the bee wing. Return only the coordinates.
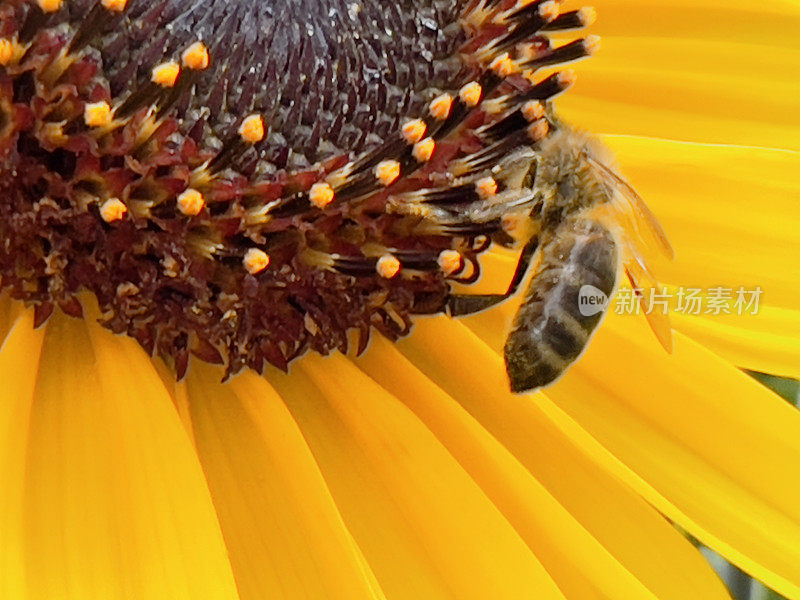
(644, 285)
(633, 209)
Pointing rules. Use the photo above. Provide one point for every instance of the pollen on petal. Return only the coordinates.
(196, 57)
(321, 194)
(97, 114)
(191, 202)
(166, 74)
(414, 131)
(387, 172)
(255, 261)
(450, 261)
(388, 266)
(113, 210)
(423, 151)
(252, 129)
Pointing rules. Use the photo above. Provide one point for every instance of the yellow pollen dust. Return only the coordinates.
(97, 114)
(388, 266)
(255, 261)
(532, 110)
(450, 261)
(114, 5)
(423, 151)
(49, 6)
(166, 74)
(196, 57)
(538, 130)
(321, 194)
(440, 107)
(504, 66)
(191, 202)
(414, 131)
(486, 187)
(387, 172)
(252, 129)
(113, 210)
(471, 94)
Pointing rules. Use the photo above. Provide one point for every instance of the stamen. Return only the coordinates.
(388, 266)
(538, 131)
(450, 262)
(50, 6)
(252, 129)
(97, 114)
(321, 195)
(166, 74)
(113, 210)
(486, 187)
(255, 261)
(387, 172)
(471, 94)
(196, 57)
(114, 5)
(532, 111)
(423, 151)
(441, 106)
(414, 131)
(191, 202)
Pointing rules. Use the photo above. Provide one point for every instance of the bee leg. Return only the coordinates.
(459, 305)
(564, 303)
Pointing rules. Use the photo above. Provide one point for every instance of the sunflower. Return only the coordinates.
(411, 471)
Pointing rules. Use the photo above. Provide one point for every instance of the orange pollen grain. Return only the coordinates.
(423, 151)
(549, 10)
(414, 131)
(255, 261)
(97, 114)
(252, 129)
(592, 44)
(532, 111)
(388, 266)
(321, 195)
(114, 5)
(471, 94)
(504, 66)
(567, 78)
(440, 107)
(588, 15)
(486, 187)
(50, 6)
(191, 202)
(538, 130)
(196, 57)
(166, 74)
(450, 261)
(387, 172)
(6, 51)
(113, 210)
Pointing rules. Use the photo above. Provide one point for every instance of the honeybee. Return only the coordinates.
(580, 224)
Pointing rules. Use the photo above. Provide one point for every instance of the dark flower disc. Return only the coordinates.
(245, 180)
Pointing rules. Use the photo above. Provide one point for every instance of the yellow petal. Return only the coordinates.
(705, 72)
(114, 503)
(593, 535)
(426, 528)
(285, 536)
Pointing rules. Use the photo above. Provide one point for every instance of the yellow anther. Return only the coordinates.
(113, 210)
(423, 151)
(414, 131)
(191, 202)
(450, 261)
(471, 94)
(538, 130)
(549, 10)
(532, 111)
(50, 6)
(114, 5)
(387, 172)
(504, 66)
(97, 114)
(166, 74)
(388, 266)
(588, 15)
(486, 187)
(255, 261)
(321, 194)
(196, 57)
(252, 129)
(7, 51)
(592, 44)
(441, 106)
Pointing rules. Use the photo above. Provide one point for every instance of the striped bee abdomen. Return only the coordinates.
(563, 304)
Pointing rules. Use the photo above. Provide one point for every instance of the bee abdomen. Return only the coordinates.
(552, 327)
